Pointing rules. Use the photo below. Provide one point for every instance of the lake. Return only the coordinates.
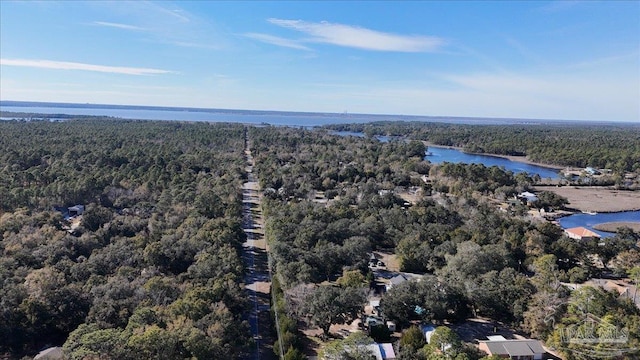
(588, 221)
(438, 155)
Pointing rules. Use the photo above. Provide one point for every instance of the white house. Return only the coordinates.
(530, 198)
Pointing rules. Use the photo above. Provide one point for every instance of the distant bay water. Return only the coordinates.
(194, 115)
(281, 118)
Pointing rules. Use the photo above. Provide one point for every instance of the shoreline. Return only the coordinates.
(614, 226)
(572, 211)
(522, 159)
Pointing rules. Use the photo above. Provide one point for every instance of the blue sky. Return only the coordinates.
(546, 60)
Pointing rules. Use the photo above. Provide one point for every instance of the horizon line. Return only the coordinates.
(345, 113)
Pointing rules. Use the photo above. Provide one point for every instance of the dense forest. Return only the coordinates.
(615, 147)
(152, 270)
(339, 198)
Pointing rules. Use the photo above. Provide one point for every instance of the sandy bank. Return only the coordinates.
(613, 226)
(595, 198)
(522, 159)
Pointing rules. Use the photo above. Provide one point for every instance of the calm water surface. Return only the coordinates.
(245, 116)
(381, 138)
(589, 221)
(438, 155)
(191, 115)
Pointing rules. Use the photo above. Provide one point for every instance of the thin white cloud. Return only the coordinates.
(177, 13)
(359, 37)
(193, 45)
(278, 41)
(65, 65)
(164, 23)
(118, 25)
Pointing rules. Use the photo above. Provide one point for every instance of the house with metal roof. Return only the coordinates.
(395, 281)
(382, 351)
(527, 197)
(515, 349)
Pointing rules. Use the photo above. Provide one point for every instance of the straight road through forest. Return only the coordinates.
(257, 278)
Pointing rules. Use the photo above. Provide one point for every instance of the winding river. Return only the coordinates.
(437, 155)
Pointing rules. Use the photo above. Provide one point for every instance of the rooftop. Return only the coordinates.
(514, 347)
(582, 232)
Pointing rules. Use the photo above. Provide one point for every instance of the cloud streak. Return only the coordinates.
(118, 25)
(349, 36)
(278, 41)
(65, 65)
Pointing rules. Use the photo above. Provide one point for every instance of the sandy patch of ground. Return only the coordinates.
(260, 286)
(613, 226)
(411, 196)
(598, 199)
(390, 260)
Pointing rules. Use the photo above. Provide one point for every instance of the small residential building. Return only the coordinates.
(76, 210)
(527, 197)
(581, 233)
(370, 321)
(623, 288)
(514, 349)
(382, 351)
(395, 281)
(591, 171)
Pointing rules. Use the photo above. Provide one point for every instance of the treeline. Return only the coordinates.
(615, 147)
(480, 260)
(295, 162)
(153, 269)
